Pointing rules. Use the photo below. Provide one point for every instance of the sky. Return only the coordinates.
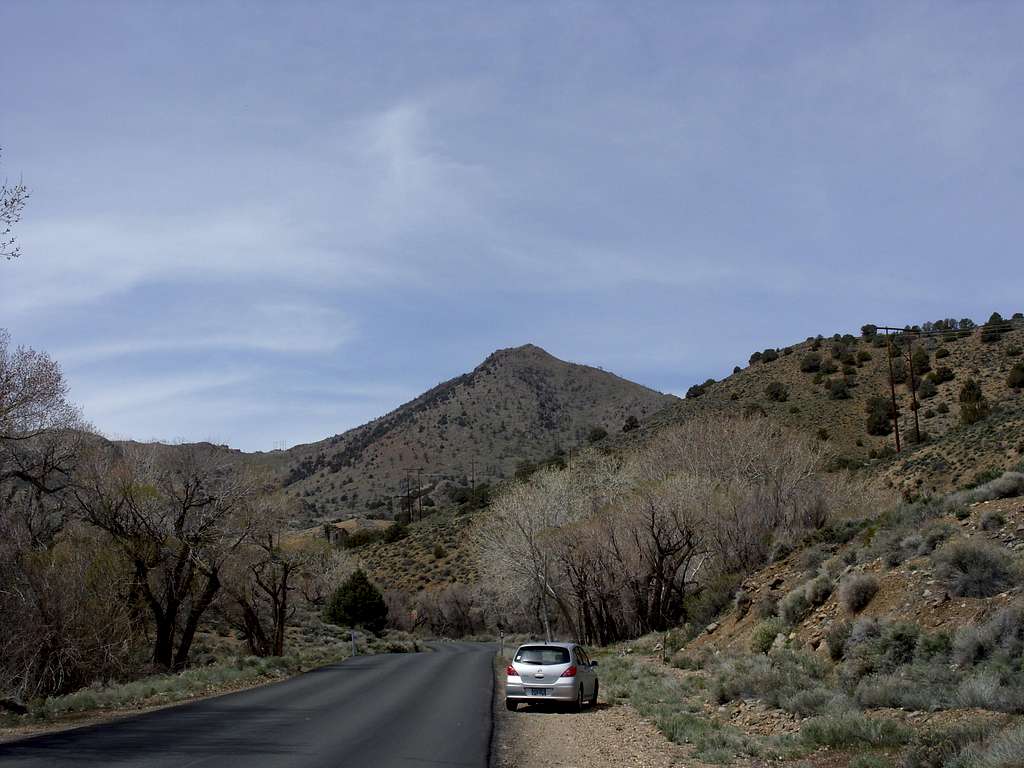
(265, 223)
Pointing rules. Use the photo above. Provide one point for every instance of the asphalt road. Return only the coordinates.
(419, 709)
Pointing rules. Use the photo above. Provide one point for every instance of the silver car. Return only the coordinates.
(556, 672)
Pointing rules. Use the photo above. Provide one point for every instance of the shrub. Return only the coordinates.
(839, 390)
(1001, 638)
(863, 356)
(357, 603)
(991, 520)
(766, 607)
(975, 568)
(941, 352)
(854, 729)
(933, 646)
(822, 434)
(699, 389)
(973, 405)
(942, 408)
(1014, 351)
(810, 363)
(934, 748)
(836, 637)
(1003, 751)
(941, 375)
(395, 532)
(764, 634)
(899, 371)
(920, 361)
(927, 389)
(794, 606)
(857, 590)
(879, 413)
(1016, 378)
(818, 590)
(777, 392)
(769, 356)
(440, 552)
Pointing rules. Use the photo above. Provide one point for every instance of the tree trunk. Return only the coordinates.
(198, 609)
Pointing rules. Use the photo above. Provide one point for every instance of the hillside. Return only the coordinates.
(520, 404)
(952, 455)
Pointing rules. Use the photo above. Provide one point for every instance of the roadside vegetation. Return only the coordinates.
(128, 568)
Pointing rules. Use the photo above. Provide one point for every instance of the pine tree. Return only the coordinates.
(357, 603)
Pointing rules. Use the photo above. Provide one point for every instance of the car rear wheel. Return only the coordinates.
(511, 706)
(593, 699)
(578, 706)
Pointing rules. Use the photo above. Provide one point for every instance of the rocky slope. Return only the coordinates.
(520, 404)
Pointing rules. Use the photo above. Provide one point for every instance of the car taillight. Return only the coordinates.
(570, 672)
(511, 671)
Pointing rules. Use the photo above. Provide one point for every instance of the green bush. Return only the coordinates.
(927, 389)
(794, 606)
(357, 603)
(1016, 378)
(1003, 751)
(975, 568)
(879, 413)
(839, 390)
(810, 363)
(764, 634)
(836, 637)
(941, 353)
(933, 748)
(777, 392)
(973, 405)
(853, 729)
(857, 590)
(921, 361)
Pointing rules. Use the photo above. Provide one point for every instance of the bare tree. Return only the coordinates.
(260, 577)
(62, 598)
(12, 202)
(177, 513)
(516, 542)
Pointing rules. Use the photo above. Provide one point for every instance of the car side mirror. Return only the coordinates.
(593, 663)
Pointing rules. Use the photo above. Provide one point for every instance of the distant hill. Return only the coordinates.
(519, 405)
(829, 398)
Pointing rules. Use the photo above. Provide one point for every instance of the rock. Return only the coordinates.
(711, 628)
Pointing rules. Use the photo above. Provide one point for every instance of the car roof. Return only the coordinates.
(541, 644)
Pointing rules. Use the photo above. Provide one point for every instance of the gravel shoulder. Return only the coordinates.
(598, 737)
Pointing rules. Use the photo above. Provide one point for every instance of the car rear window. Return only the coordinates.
(541, 654)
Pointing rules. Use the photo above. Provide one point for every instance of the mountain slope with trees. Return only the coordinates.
(837, 389)
(520, 406)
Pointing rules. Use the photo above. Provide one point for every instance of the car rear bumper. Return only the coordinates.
(565, 689)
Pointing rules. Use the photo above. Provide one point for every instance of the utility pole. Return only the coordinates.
(892, 389)
(913, 388)
(472, 472)
(419, 490)
(408, 497)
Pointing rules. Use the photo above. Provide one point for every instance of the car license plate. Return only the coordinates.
(537, 691)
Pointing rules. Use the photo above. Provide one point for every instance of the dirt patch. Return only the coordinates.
(598, 737)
